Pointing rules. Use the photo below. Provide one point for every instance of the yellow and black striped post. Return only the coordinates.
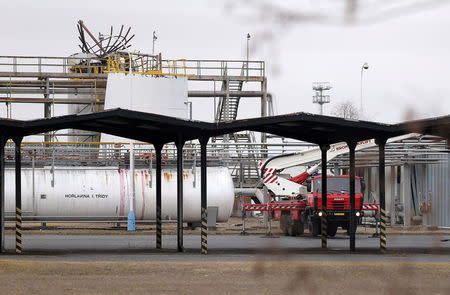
(18, 230)
(18, 168)
(203, 193)
(204, 231)
(158, 148)
(383, 231)
(381, 173)
(324, 149)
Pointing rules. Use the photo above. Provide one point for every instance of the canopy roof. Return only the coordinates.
(159, 129)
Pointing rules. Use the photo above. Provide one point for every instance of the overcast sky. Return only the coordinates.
(408, 54)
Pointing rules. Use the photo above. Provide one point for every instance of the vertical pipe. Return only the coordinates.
(131, 224)
(18, 166)
(180, 144)
(264, 106)
(324, 149)
(382, 181)
(204, 200)
(158, 148)
(352, 222)
(2, 193)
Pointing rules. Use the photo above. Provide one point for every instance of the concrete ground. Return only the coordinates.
(108, 260)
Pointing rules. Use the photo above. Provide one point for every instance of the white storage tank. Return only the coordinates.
(104, 193)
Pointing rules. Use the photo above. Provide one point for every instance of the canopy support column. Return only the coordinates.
(179, 143)
(158, 149)
(381, 142)
(352, 222)
(324, 148)
(204, 197)
(18, 166)
(2, 193)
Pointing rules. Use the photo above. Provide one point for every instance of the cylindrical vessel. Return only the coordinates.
(104, 193)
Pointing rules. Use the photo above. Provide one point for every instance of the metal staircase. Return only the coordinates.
(228, 106)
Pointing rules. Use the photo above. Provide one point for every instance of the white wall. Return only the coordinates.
(158, 95)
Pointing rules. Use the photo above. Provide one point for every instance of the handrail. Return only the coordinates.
(145, 64)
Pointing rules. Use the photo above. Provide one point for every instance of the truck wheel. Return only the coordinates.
(296, 228)
(284, 223)
(331, 229)
(292, 230)
(300, 227)
(314, 228)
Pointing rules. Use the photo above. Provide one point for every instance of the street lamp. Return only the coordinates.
(154, 40)
(248, 40)
(365, 66)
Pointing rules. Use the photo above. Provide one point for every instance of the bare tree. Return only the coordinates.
(345, 110)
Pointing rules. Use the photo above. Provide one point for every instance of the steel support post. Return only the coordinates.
(179, 144)
(324, 149)
(204, 199)
(2, 193)
(18, 169)
(352, 223)
(158, 149)
(382, 182)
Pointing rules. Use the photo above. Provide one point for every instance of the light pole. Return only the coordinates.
(365, 66)
(154, 39)
(248, 40)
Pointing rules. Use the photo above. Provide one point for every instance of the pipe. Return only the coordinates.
(245, 191)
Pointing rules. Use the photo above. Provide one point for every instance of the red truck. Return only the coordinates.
(338, 204)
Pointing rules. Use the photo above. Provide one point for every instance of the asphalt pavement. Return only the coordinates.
(401, 248)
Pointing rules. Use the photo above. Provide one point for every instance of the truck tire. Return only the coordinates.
(285, 223)
(296, 228)
(292, 230)
(314, 227)
(331, 229)
(300, 227)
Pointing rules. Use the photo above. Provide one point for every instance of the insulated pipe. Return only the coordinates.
(18, 166)
(179, 144)
(324, 149)
(382, 182)
(351, 227)
(158, 148)
(2, 193)
(203, 191)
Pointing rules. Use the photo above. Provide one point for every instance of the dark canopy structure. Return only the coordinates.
(159, 129)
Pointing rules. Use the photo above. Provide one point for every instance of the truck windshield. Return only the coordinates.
(337, 185)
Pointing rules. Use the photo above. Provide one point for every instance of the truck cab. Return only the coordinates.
(338, 203)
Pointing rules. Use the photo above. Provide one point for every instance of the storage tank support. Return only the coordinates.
(204, 198)
(158, 148)
(324, 148)
(179, 143)
(381, 142)
(351, 226)
(18, 141)
(2, 193)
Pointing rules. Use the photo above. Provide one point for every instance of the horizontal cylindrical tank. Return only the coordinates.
(76, 193)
